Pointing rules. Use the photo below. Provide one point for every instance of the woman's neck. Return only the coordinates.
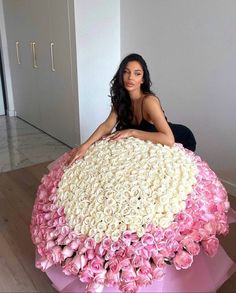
(136, 96)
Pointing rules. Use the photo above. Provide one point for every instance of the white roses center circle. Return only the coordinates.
(124, 185)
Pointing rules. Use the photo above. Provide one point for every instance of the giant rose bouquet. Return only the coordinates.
(126, 211)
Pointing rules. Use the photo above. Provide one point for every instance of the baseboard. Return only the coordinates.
(11, 113)
(230, 187)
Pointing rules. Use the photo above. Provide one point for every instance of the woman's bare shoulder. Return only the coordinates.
(151, 99)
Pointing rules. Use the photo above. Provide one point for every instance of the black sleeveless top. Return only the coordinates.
(182, 134)
(144, 124)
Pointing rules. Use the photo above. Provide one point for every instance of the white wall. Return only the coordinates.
(190, 48)
(6, 64)
(97, 25)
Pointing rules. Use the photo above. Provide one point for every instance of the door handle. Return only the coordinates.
(18, 53)
(52, 56)
(33, 49)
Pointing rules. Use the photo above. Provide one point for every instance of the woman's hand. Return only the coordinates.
(119, 134)
(76, 154)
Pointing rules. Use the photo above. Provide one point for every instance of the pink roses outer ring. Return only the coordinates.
(131, 261)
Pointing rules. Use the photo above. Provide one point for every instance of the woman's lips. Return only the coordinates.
(129, 84)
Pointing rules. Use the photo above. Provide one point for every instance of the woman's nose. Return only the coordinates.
(130, 76)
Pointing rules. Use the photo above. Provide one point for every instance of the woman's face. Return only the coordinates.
(133, 76)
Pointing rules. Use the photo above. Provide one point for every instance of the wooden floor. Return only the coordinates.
(17, 271)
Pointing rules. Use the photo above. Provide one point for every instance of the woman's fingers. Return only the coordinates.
(73, 157)
(113, 136)
(109, 136)
(117, 137)
(72, 160)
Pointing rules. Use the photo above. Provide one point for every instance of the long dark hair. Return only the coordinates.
(119, 95)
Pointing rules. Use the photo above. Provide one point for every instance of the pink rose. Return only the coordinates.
(61, 221)
(204, 234)
(89, 243)
(183, 260)
(211, 227)
(113, 265)
(90, 253)
(50, 244)
(121, 253)
(128, 275)
(130, 287)
(60, 240)
(227, 205)
(142, 251)
(207, 216)
(143, 279)
(158, 259)
(43, 264)
(210, 246)
(130, 251)
(60, 211)
(157, 273)
(192, 247)
(86, 275)
(64, 230)
(169, 234)
(115, 246)
(212, 207)
(106, 243)
(79, 261)
(134, 238)
(42, 193)
(137, 261)
(67, 252)
(222, 227)
(147, 239)
(47, 216)
(56, 254)
(184, 220)
(196, 236)
(145, 268)
(94, 287)
(100, 250)
(127, 237)
(109, 255)
(172, 246)
(100, 277)
(124, 263)
(66, 241)
(150, 228)
(96, 265)
(70, 268)
(158, 235)
(112, 279)
(165, 250)
(74, 244)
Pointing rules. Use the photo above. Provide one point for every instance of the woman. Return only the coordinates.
(136, 111)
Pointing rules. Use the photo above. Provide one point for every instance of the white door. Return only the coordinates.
(2, 111)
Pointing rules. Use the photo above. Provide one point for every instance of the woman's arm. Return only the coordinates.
(103, 129)
(154, 112)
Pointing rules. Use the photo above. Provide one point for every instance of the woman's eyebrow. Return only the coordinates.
(126, 68)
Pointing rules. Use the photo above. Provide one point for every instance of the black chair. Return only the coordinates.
(183, 135)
